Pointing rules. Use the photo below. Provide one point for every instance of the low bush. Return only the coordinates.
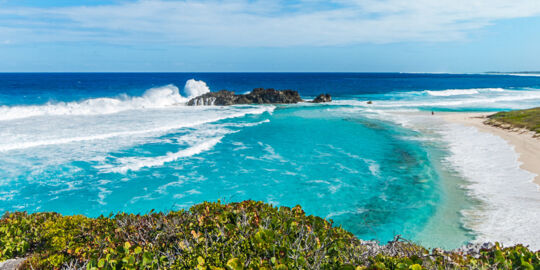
(245, 235)
(528, 119)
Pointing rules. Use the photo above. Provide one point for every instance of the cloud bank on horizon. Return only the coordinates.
(259, 23)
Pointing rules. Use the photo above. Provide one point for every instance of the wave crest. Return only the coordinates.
(158, 97)
(461, 92)
(194, 88)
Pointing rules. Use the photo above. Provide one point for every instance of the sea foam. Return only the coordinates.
(454, 92)
(133, 124)
(509, 211)
(154, 98)
(135, 164)
(461, 92)
(483, 98)
(194, 88)
(198, 141)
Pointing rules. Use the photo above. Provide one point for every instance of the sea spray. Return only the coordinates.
(194, 88)
(154, 98)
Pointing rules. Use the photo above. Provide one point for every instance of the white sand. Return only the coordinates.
(523, 141)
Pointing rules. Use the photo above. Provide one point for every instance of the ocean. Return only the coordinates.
(100, 143)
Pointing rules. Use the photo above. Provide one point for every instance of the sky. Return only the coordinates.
(269, 36)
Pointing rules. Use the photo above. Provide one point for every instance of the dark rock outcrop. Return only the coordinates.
(260, 96)
(322, 98)
(222, 97)
(257, 96)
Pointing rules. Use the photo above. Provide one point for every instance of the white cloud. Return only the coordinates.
(261, 23)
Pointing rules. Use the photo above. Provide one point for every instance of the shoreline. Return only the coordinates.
(523, 142)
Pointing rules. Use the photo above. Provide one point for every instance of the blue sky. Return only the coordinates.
(260, 35)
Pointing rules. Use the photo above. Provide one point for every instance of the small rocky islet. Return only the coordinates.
(257, 96)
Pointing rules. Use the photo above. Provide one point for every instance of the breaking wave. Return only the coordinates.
(194, 88)
(481, 98)
(461, 92)
(154, 98)
(509, 195)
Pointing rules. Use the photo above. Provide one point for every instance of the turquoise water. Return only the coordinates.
(366, 167)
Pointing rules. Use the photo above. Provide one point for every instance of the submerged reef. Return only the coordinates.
(245, 235)
(257, 96)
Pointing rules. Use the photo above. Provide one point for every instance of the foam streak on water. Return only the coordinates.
(454, 99)
(511, 201)
(198, 142)
(134, 164)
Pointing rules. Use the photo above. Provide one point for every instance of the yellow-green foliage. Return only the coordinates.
(246, 235)
(529, 119)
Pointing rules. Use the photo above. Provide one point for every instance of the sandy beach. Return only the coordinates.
(523, 141)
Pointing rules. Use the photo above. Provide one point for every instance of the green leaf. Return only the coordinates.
(401, 266)
(526, 265)
(347, 267)
(131, 260)
(234, 264)
(163, 259)
(137, 250)
(415, 267)
(499, 257)
(200, 260)
(101, 263)
(147, 258)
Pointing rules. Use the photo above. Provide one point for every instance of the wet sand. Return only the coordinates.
(523, 141)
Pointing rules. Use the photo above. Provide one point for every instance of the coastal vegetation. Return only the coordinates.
(528, 119)
(244, 235)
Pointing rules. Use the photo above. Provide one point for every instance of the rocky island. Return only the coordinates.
(322, 98)
(257, 96)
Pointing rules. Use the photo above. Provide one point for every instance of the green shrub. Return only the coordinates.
(528, 119)
(246, 235)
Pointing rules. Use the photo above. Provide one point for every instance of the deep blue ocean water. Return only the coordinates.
(96, 143)
(37, 88)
